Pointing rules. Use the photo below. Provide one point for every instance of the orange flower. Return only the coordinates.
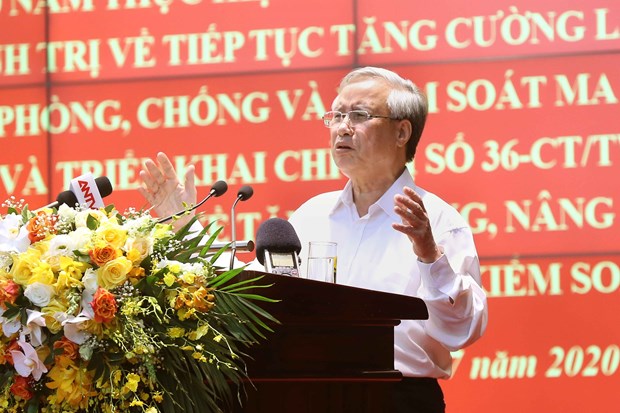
(104, 306)
(40, 225)
(136, 274)
(9, 291)
(7, 352)
(69, 348)
(101, 255)
(201, 300)
(21, 388)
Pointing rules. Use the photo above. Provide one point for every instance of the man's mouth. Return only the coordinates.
(341, 145)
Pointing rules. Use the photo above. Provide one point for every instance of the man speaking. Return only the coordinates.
(392, 235)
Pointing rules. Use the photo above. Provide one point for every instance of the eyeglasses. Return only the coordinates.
(334, 118)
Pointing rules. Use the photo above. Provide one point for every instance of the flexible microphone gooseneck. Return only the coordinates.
(245, 193)
(218, 189)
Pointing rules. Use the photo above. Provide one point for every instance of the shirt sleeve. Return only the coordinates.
(452, 290)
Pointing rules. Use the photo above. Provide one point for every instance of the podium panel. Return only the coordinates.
(332, 352)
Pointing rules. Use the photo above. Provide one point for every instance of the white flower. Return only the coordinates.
(66, 213)
(138, 225)
(33, 328)
(6, 261)
(81, 237)
(82, 216)
(74, 327)
(9, 327)
(63, 244)
(39, 294)
(13, 234)
(28, 362)
(141, 244)
(90, 281)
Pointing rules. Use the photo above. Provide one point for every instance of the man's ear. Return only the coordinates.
(404, 132)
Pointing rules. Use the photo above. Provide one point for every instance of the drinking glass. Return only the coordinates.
(322, 261)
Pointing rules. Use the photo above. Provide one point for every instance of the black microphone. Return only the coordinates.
(218, 189)
(244, 193)
(103, 186)
(278, 247)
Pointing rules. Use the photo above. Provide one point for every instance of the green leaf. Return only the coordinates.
(91, 222)
(33, 406)
(188, 382)
(225, 277)
(11, 312)
(255, 296)
(244, 282)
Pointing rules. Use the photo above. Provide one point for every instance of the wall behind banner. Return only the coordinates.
(523, 138)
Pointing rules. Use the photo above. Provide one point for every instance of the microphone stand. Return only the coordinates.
(244, 246)
(178, 213)
(233, 245)
(218, 188)
(245, 192)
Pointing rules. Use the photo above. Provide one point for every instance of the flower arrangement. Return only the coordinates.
(103, 312)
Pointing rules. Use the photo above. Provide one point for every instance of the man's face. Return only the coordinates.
(371, 148)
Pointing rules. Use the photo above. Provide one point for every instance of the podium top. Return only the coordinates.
(309, 300)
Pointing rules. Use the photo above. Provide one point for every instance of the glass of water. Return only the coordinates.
(322, 261)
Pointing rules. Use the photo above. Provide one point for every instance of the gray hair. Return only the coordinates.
(405, 101)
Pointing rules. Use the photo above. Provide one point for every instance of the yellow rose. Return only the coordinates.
(42, 246)
(138, 248)
(23, 264)
(53, 261)
(114, 273)
(112, 234)
(56, 305)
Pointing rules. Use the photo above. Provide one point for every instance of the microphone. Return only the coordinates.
(278, 247)
(245, 193)
(91, 192)
(218, 189)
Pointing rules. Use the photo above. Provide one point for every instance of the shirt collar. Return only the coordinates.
(386, 202)
(345, 200)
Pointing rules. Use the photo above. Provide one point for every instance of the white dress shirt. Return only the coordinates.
(372, 255)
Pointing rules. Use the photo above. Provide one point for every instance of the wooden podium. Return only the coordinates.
(333, 352)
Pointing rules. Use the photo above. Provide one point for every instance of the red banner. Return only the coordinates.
(550, 346)
(522, 137)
